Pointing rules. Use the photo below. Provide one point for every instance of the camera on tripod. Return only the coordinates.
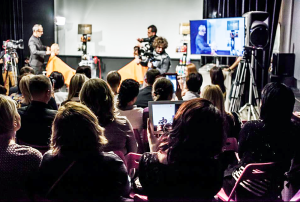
(13, 44)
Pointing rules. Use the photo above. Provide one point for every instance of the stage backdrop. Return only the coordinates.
(117, 24)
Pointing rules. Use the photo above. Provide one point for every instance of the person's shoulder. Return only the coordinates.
(111, 158)
(31, 154)
(22, 110)
(51, 112)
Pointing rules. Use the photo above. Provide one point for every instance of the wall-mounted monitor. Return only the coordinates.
(219, 36)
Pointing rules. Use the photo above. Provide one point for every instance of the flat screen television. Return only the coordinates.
(218, 36)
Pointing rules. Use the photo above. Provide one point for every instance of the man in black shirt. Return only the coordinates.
(152, 30)
(145, 94)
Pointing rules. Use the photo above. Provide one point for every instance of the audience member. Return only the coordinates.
(190, 68)
(76, 84)
(214, 94)
(162, 89)
(23, 70)
(113, 78)
(193, 84)
(186, 168)
(97, 95)
(58, 82)
(217, 78)
(269, 139)
(86, 70)
(19, 164)
(76, 168)
(24, 89)
(145, 94)
(37, 118)
(128, 92)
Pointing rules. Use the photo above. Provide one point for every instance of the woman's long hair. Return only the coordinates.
(214, 94)
(197, 132)
(217, 77)
(76, 130)
(76, 84)
(98, 96)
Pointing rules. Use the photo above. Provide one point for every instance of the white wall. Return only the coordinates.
(295, 42)
(118, 23)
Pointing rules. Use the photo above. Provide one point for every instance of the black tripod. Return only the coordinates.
(238, 87)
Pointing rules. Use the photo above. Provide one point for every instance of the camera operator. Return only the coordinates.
(37, 49)
(160, 60)
(152, 30)
(8, 59)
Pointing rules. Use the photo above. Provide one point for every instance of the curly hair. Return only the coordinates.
(160, 42)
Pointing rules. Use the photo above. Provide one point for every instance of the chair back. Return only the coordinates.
(254, 171)
(230, 145)
(133, 160)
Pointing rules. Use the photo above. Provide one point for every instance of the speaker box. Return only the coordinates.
(257, 29)
(283, 64)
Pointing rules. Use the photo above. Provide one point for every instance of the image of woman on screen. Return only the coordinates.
(201, 46)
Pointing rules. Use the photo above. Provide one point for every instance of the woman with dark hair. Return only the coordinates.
(217, 78)
(185, 167)
(269, 139)
(162, 89)
(128, 93)
(18, 163)
(98, 96)
(58, 81)
(76, 168)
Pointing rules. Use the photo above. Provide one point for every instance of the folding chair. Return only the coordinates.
(252, 171)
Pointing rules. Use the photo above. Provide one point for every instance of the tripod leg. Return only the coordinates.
(235, 87)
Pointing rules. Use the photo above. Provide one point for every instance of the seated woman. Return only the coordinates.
(190, 68)
(58, 82)
(162, 89)
(217, 78)
(19, 164)
(98, 96)
(269, 139)
(76, 168)
(76, 84)
(214, 94)
(128, 93)
(186, 168)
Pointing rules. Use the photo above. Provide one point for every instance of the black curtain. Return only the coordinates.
(11, 24)
(236, 8)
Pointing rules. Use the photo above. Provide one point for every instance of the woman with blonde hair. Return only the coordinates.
(24, 88)
(76, 84)
(19, 163)
(98, 96)
(76, 168)
(214, 94)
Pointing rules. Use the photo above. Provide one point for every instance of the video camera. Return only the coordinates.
(145, 54)
(13, 44)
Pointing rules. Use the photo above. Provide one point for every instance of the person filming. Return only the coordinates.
(161, 60)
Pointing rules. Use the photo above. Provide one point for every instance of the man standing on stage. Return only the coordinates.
(152, 30)
(37, 49)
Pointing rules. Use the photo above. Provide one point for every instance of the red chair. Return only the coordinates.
(132, 161)
(251, 172)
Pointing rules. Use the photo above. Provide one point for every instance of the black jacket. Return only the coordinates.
(36, 122)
